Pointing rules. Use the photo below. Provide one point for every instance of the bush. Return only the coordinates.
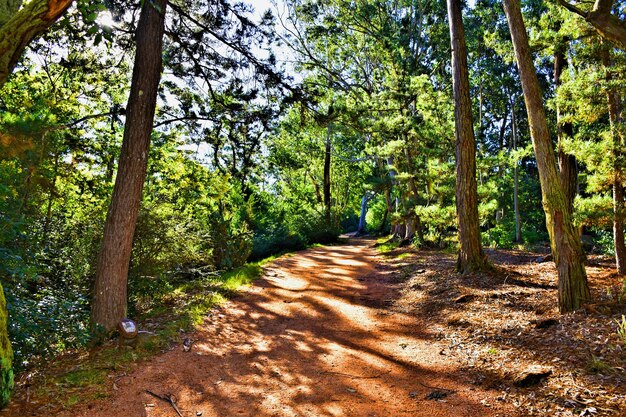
(47, 322)
(6, 355)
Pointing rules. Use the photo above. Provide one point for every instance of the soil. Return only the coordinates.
(346, 331)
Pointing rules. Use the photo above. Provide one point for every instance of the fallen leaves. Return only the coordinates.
(505, 328)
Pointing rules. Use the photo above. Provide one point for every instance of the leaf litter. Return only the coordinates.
(505, 327)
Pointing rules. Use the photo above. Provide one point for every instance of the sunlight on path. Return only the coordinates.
(314, 337)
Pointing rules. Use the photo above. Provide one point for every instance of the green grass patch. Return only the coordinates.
(188, 303)
(387, 244)
(384, 239)
(596, 365)
(82, 378)
(492, 351)
(403, 255)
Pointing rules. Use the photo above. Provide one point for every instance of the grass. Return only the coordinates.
(192, 301)
(597, 365)
(82, 378)
(492, 351)
(85, 384)
(386, 244)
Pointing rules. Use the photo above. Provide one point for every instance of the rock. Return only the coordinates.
(437, 395)
(532, 376)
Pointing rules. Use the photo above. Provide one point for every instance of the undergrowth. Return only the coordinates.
(84, 375)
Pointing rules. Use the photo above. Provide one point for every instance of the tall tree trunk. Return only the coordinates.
(567, 163)
(20, 26)
(392, 204)
(362, 225)
(387, 194)
(327, 197)
(110, 293)
(564, 241)
(518, 222)
(471, 257)
(619, 215)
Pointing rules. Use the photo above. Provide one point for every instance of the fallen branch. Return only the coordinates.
(168, 399)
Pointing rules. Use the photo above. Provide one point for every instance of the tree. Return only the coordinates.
(567, 163)
(608, 26)
(20, 26)
(471, 257)
(565, 244)
(614, 102)
(110, 293)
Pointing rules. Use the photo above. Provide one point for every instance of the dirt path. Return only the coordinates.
(311, 338)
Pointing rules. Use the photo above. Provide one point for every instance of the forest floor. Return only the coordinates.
(347, 331)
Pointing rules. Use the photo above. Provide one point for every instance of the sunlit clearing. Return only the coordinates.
(105, 19)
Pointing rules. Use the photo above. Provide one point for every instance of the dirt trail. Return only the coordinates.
(312, 338)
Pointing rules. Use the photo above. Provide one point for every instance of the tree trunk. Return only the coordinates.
(518, 222)
(327, 197)
(392, 204)
(567, 163)
(110, 294)
(471, 257)
(21, 27)
(565, 244)
(608, 26)
(619, 215)
(362, 224)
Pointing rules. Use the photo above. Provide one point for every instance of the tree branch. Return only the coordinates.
(23, 27)
(608, 26)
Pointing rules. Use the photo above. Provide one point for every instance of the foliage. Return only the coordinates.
(239, 156)
(6, 354)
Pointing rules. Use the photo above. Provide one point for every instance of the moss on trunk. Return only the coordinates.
(22, 26)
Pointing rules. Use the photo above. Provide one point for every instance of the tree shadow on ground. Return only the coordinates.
(504, 321)
(313, 337)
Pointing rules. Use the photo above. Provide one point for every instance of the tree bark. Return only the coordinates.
(19, 27)
(471, 256)
(518, 221)
(327, 155)
(619, 214)
(362, 224)
(110, 293)
(567, 163)
(608, 26)
(566, 246)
